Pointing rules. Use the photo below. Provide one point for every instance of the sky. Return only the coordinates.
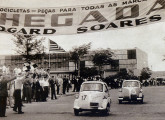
(149, 38)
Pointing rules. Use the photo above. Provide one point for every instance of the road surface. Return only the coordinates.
(62, 109)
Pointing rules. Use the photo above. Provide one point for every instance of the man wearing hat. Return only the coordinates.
(3, 93)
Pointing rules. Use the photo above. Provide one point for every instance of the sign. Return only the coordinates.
(81, 19)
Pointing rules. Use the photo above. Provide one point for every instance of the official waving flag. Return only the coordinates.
(54, 47)
(29, 66)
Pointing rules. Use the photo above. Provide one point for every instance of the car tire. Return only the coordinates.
(107, 110)
(141, 101)
(120, 101)
(76, 112)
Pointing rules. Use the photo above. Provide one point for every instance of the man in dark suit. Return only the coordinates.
(3, 93)
(52, 86)
(65, 83)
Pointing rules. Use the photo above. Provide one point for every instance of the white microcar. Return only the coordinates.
(93, 96)
(131, 91)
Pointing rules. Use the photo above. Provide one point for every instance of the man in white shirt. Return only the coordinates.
(8, 70)
(60, 82)
(46, 87)
(4, 69)
(17, 93)
(17, 70)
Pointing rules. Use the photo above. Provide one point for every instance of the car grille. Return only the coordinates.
(94, 104)
(133, 96)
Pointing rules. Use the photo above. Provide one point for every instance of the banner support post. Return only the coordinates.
(49, 59)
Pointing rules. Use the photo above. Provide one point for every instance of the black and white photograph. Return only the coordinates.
(82, 59)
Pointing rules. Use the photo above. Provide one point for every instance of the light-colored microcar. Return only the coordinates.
(131, 91)
(93, 96)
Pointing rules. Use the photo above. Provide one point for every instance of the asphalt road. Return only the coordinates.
(62, 109)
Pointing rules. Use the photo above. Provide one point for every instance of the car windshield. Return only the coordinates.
(131, 84)
(92, 87)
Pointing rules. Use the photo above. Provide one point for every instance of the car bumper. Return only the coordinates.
(87, 106)
(90, 109)
(123, 99)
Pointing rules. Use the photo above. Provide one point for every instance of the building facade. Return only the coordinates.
(132, 59)
(129, 59)
(57, 62)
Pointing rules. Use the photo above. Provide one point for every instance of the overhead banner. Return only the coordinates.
(81, 19)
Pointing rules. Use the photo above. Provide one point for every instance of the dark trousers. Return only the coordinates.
(17, 100)
(2, 105)
(24, 96)
(45, 92)
(29, 94)
(41, 94)
(75, 87)
(33, 94)
(58, 89)
(67, 88)
(64, 88)
(53, 93)
(37, 95)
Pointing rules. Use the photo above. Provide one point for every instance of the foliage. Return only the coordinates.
(120, 76)
(88, 72)
(102, 57)
(145, 73)
(77, 53)
(29, 46)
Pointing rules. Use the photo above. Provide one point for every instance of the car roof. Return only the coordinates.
(94, 82)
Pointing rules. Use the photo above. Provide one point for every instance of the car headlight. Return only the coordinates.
(77, 96)
(120, 90)
(133, 91)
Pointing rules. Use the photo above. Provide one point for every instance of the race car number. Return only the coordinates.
(84, 97)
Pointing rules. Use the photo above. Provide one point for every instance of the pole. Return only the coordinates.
(49, 53)
(42, 57)
(49, 59)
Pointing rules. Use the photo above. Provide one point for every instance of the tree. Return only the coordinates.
(102, 57)
(29, 46)
(89, 72)
(77, 53)
(145, 73)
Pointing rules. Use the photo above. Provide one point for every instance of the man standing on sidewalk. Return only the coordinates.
(65, 83)
(3, 93)
(52, 86)
(17, 93)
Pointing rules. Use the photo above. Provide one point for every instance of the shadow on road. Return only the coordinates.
(54, 113)
(92, 114)
(133, 103)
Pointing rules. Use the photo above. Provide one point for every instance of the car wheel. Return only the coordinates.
(107, 110)
(76, 112)
(120, 101)
(141, 101)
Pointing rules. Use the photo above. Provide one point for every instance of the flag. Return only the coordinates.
(53, 46)
(29, 66)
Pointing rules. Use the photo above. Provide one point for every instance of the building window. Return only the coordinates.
(115, 64)
(59, 65)
(131, 54)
